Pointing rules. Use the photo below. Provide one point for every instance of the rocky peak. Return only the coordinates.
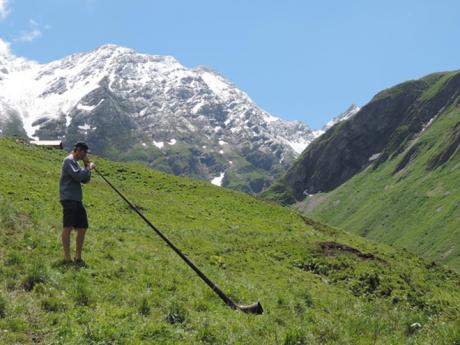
(347, 114)
(186, 121)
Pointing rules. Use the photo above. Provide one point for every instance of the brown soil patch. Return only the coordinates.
(332, 248)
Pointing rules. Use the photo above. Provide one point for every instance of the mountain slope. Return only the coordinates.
(317, 284)
(150, 108)
(411, 200)
(402, 150)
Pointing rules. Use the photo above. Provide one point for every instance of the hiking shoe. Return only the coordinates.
(62, 263)
(79, 263)
(65, 262)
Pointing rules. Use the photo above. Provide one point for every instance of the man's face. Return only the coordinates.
(79, 154)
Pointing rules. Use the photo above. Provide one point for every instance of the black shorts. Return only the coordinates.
(74, 214)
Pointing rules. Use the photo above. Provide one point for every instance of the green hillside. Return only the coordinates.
(317, 285)
(390, 172)
(379, 131)
(412, 198)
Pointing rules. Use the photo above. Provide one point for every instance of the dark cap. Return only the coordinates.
(81, 145)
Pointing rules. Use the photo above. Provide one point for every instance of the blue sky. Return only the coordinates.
(305, 60)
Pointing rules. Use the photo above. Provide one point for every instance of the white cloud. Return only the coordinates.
(4, 10)
(35, 31)
(4, 47)
(29, 36)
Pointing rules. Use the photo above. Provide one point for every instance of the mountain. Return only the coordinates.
(150, 108)
(318, 285)
(347, 114)
(391, 171)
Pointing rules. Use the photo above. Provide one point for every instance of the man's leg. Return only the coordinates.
(66, 242)
(80, 239)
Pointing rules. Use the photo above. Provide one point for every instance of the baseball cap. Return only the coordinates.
(81, 145)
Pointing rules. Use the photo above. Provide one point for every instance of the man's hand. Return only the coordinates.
(91, 166)
(86, 161)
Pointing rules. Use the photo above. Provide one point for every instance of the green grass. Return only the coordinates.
(404, 201)
(407, 86)
(137, 291)
(437, 81)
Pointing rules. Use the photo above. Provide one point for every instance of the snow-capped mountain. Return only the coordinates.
(351, 111)
(347, 114)
(150, 108)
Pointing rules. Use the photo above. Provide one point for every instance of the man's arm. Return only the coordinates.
(76, 172)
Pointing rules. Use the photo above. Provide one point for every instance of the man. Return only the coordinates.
(72, 176)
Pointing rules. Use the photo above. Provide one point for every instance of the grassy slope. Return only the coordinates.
(137, 291)
(416, 207)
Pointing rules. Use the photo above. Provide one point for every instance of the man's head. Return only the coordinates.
(80, 149)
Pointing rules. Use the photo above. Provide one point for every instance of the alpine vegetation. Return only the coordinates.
(317, 284)
(391, 172)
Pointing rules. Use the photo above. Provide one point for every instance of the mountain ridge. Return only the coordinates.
(352, 145)
(216, 128)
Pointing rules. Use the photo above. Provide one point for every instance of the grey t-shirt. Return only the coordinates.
(72, 176)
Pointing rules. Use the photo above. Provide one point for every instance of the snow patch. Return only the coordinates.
(221, 152)
(85, 107)
(89, 107)
(172, 142)
(217, 84)
(197, 107)
(221, 142)
(85, 127)
(143, 111)
(308, 195)
(318, 133)
(270, 118)
(158, 144)
(218, 180)
(48, 90)
(374, 156)
(299, 146)
(428, 124)
(350, 112)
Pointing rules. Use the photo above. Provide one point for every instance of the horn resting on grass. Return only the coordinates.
(255, 308)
